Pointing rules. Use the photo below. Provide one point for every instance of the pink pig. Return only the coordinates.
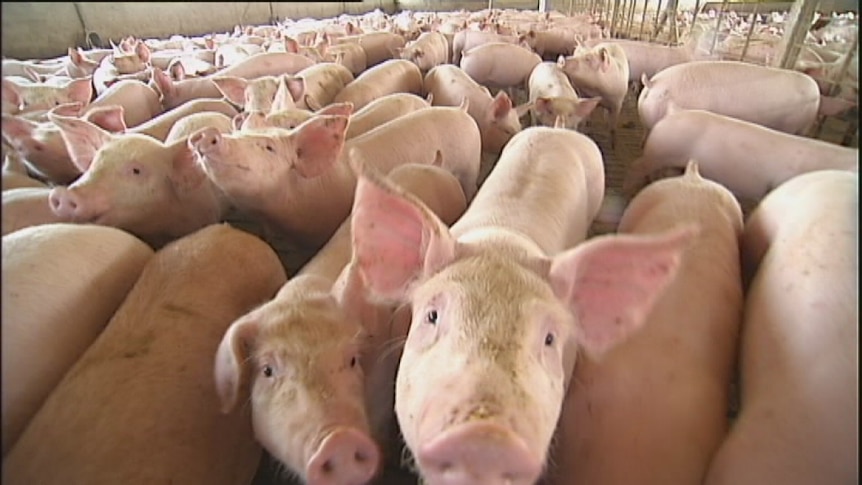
(501, 305)
(299, 182)
(672, 379)
(799, 360)
(500, 64)
(391, 76)
(335, 345)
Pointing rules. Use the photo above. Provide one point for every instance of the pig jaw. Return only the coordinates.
(481, 383)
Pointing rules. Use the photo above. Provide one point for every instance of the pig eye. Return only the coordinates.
(431, 317)
(353, 362)
(136, 171)
(267, 371)
(270, 149)
(549, 340)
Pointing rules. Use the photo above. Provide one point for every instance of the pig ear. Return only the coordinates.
(81, 90)
(352, 297)
(344, 109)
(16, 128)
(108, 117)
(32, 74)
(283, 99)
(543, 105)
(605, 58)
(560, 121)
(186, 174)
(11, 94)
(523, 109)
(239, 119)
(143, 52)
(295, 86)
(163, 83)
(232, 353)
(291, 45)
(645, 80)
(610, 283)
(396, 238)
(583, 107)
(561, 61)
(75, 56)
(318, 143)
(83, 139)
(176, 70)
(68, 109)
(233, 88)
(501, 105)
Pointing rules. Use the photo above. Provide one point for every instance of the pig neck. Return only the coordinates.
(190, 89)
(204, 203)
(330, 261)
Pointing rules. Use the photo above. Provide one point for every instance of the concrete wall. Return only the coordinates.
(43, 30)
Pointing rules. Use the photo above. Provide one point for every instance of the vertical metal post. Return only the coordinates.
(750, 31)
(630, 19)
(543, 6)
(718, 26)
(801, 15)
(654, 32)
(490, 4)
(570, 7)
(616, 11)
(643, 20)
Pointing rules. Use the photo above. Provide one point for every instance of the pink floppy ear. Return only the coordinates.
(11, 94)
(396, 238)
(344, 109)
(318, 142)
(81, 90)
(230, 358)
(108, 117)
(501, 105)
(233, 88)
(610, 283)
(83, 139)
(283, 100)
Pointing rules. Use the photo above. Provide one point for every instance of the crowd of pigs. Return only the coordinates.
(465, 329)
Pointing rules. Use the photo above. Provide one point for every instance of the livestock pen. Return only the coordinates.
(816, 38)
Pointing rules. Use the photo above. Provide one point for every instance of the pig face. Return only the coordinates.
(572, 111)
(133, 182)
(495, 330)
(37, 97)
(42, 145)
(244, 164)
(502, 122)
(307, 384)
(131, 61)
(262, 94)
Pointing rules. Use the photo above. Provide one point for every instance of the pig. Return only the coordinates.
(257, 94)
(500, 307)
(174, 94)
(747, 158)
(552, 95)
(646, 58)
(391, 76)
(500, 64)
(351, 56)
(192, 123)
(15, 174)
(140, 102)
(780, 99)
(321, 83)
(299, 184)
(378, 46)
(799, 360)
(39, 97)
(26, 207)
(160, 126)
(139, 405)
(497, 118)
(429, 50)
(600, 71)
(60, 294)
(642, 389)
(41, 149)
(136, 183)
(382, 110)
(552, 43)
(287, 119)
(335, 430)
(467, 39)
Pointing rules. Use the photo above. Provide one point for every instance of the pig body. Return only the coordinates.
(640, 390)
(142, 392)
(383, 110)
(31, 98)
(140, 102)
(780, 99)
(159, 194)
(321, 84)
(487, 358)
(554, 42)
(646, 58)
(61, 285)
(465, 40)
(798, 419)
(351, 56)
(600, 71)
(26, 207)
(745, 157)
(496, 117)
(429, 50)
(185, 127)
(41, 147)
(378, 46)
(552, 96)
(160, 126)
(333, 331)
(15, 174)
(500, 64)
(389, 77)
(253, 170)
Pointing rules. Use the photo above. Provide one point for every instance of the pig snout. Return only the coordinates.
(478, 453)
(344, 457)
(69, 205)
(206, 141)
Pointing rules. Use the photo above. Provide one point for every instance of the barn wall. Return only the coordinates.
(42, 30)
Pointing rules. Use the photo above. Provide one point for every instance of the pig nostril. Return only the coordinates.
(327, 467)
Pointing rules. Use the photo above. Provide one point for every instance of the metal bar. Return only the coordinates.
(616, 11)
(643, 20)
(570, 7)
(631, 19)
(718, 26)
(750, 31)
(801, 16)
(654, 32)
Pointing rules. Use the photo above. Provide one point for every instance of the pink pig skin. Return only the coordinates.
(799, 361)
(671, 379)
(26, 207)
(392, 76)
(254, 168)
(500, 64)
(337, 429)
(780, 99)
(500, 307)
(140, 102)
(142, 393)
(747, 158)
(61, 285)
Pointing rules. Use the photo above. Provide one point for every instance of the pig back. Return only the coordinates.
(798, 354)
(140, 406)
(61, 285)
(26, 207)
